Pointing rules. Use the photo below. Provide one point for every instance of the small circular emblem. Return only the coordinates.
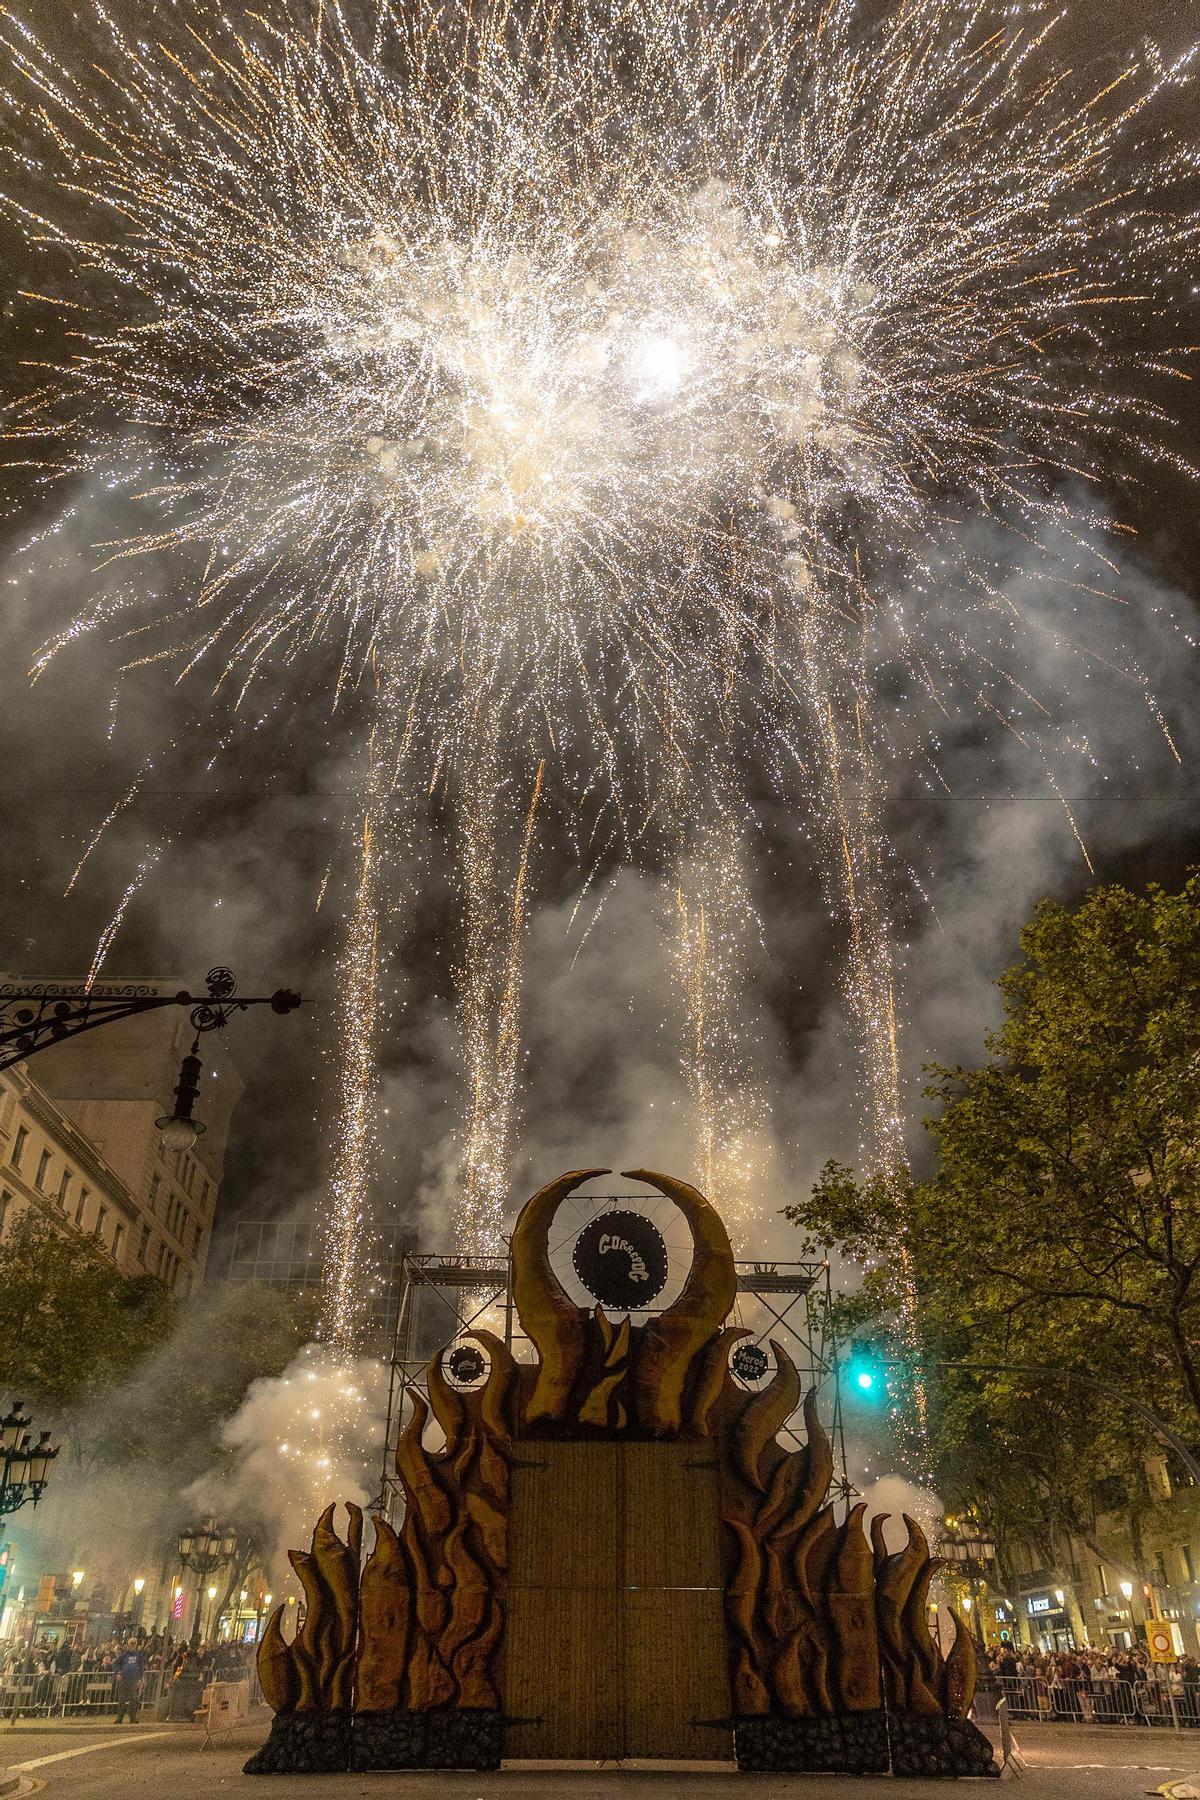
(749, 1362)
(465, 1364)
(621, 1259)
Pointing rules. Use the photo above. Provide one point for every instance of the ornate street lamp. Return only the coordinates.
(203, 1549)
(38, 1018)
(24, 1466)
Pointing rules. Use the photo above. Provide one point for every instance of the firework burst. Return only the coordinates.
(602, 374)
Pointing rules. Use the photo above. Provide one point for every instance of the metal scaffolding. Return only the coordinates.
(446, 1297)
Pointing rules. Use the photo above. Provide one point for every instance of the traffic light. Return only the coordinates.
(866, 1373)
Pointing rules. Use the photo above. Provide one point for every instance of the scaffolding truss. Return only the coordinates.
(446, 1297)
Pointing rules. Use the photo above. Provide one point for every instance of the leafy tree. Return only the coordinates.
(123, 1372)
(1077, 1145)
(73, 1325)
(1061, 1226)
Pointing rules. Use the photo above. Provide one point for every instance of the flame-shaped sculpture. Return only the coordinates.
(831, 1661)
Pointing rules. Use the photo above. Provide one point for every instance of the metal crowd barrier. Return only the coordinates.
(71, 1696)
(1100, 1699)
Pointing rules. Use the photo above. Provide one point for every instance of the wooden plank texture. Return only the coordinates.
(564, 1518)
(562, 1669)
(671, 1523)
(675, 1674)
(562, 1650)
(616, 1632)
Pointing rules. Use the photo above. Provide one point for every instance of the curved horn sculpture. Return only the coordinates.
(673, 1339)
(554, 1324)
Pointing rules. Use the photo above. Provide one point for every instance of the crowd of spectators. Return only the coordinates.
(122, 1672)
(1100, 1686)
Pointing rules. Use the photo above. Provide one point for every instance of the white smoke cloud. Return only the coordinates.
(895, 1495)
(298, 1441)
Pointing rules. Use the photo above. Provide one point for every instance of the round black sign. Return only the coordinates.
(621, 1259)
(465, 1364)
(749, 1363)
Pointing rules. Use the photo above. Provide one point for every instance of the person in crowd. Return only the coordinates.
(129, 1669)
(1108, 1686)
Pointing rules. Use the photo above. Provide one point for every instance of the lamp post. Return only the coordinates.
(24, 1466)
(38, 1018)
(965, 1546)
(203, 1549)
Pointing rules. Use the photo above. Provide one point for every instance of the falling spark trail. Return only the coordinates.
(346, 1225)
(715, 927)
(489, 990)
(141, 875)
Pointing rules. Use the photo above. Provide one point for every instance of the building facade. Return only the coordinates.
(78, 1141)
(1139, 1562)
(288, 1254)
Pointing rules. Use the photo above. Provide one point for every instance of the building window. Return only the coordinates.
(64, 1183)
(143, 1244)
(43, 1165)
(118, 1243)
(155, 1184)
(101, 1215)
(80, 1205)
(18, 1149)
(5, 1203)
(1189, 1566)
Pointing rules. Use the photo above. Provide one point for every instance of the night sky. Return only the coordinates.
(253, 840)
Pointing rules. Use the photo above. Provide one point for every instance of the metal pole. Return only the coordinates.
(508, 1300)
(195, 1639)
(395, 1400)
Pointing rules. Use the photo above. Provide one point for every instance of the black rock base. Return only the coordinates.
(328, 1743)
(453, 1739)
(926, 1744)
(851, 1743)
(463, 1739)
(388, 1740)
(304, 1744)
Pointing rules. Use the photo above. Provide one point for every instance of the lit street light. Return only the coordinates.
(24, 1466)
(203, 1549)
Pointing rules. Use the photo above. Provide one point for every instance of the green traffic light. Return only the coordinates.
(865, 1373)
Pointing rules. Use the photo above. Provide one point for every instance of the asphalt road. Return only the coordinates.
(158, 1762)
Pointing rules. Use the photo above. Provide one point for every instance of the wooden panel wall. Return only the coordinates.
(616, 1633)
(561, 1658)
